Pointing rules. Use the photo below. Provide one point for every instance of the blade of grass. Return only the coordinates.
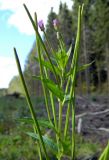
(30, 104)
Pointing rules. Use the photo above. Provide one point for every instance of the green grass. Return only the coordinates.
(14, 143)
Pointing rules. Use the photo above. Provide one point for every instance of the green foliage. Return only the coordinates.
(16, 147)
(47, 141)
(105, 154)
(14, 143)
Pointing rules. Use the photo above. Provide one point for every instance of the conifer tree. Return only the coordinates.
(101, 36)
(87, 54)
(65, 20)
(50, 32)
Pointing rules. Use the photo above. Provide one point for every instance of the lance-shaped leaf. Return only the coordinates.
(81, 68)
(69, 51)
(42, 122)
(85, 66)
(47, 141)
(54, 88)
(30, 103)
(47, 65)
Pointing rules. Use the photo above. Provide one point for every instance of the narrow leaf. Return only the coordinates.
(47, 141)
(105, 154)
(69, 51)
(85, 66)
(42, 122)
(30, 103)
(47, 65)
(54, 88)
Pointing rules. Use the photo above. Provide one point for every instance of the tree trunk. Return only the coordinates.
(99, 77)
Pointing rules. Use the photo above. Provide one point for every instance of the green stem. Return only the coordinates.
(67, 121)
(68, 111)
(30, 104)
(38, 145)
(41, 72)
(76, 51)
(74, 64)
(60, 121)
(60, 118)
(41, 41)
(46, 102)
(53, 109)
(40, 154)
(49, 44)
(73, 129)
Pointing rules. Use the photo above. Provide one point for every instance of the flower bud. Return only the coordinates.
(56, 24)
(41, 25)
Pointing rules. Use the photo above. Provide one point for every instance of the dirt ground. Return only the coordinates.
(93, 116)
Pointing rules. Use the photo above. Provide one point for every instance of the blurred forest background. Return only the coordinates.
(93, 81)
(94, 47)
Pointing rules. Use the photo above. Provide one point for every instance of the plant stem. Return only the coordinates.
(41, 72)
(73, 128)
(40, 154)
(67, 121)
(60, 118)
(34, 117)
(53, 109)
(38, 145)
(49, 44)
(76, 51)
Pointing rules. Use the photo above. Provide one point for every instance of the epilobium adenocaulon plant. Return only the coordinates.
(61, 89)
